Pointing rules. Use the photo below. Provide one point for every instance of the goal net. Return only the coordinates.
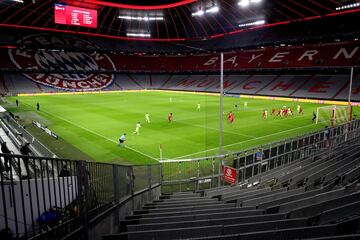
(333, 115)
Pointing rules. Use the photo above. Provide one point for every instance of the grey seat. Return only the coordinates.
(217, 221)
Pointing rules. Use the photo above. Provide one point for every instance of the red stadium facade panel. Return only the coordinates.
(321, 55)
(342, 54)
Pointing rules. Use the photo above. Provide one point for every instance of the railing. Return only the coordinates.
(48, 197)
(203, 173)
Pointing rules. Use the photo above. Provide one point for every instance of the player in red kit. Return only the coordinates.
(301, 111)
(170, 116)
(229, 116)
(273, 111)
(285, 112)
(232, 118)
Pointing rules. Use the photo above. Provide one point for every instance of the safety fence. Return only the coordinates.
(203, 173)
(49, 198)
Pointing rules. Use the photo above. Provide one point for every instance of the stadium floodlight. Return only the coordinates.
(353, 5)
(145, 18)
(213, 9)
(19, 1)
(255, 23)
(255, 1)
(200, 12)
(244, 3)
(138, 34)
(156, 18)
(125, 17)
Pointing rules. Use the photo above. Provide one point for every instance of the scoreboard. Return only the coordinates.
(75, 16)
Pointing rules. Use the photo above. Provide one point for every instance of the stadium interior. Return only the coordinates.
(245, 115)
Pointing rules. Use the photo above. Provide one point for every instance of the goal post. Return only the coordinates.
(333, 115)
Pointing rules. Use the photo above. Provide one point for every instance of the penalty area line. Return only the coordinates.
(217, 129)
(234, 144)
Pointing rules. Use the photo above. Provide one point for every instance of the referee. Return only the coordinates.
(122, 139)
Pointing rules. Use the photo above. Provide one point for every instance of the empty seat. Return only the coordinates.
(317, 208)
(187, 208)
(290, 198)
(289, 233)
(337, 237)
(200, 216)
(289, 206)
(237, 195)
(214, 210)
(166, 234)
(270, 197)
(263, 226)
(334, 214)
(217, 221)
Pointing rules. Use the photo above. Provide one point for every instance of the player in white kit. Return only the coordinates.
(147, 117)
(198, 107)
(137, 129)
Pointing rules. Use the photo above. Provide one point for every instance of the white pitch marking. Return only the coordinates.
(98, 134)
(216, 129)
(233, 144)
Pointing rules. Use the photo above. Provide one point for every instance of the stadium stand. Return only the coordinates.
(320, 86)
(285, 209)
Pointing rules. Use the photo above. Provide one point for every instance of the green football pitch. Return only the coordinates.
(90, 125)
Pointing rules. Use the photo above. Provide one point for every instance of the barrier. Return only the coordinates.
(204, 173)
(50, 197)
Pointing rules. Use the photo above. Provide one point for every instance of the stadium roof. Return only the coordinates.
(172, 20)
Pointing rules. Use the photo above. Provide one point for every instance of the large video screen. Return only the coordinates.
(75, 16)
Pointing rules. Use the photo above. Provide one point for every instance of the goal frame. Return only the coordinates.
(333, 114)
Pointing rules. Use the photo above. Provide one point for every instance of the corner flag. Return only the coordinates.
(160, 149)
